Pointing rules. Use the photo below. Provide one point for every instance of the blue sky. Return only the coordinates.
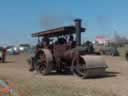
(20, 18)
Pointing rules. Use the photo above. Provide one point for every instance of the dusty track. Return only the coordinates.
(116, 81)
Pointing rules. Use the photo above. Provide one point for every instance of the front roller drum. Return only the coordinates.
(88, 66)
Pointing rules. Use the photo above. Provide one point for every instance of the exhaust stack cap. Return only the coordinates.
(77, 20)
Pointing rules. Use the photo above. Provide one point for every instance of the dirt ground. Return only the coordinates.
(116, 81)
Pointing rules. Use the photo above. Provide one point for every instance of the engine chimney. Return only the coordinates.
(78, 31)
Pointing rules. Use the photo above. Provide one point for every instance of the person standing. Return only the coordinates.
(3, 55)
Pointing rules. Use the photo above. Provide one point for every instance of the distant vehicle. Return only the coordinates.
(12, 50)
(24, 47)
(21, 48)
(106, 50)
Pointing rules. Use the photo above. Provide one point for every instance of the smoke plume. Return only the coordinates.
(52, 21)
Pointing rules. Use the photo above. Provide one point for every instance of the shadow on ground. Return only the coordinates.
(7, 62)
(108, 74)
(60, 73)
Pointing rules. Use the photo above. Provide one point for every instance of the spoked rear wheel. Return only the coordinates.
(44, 64)
(79, 67)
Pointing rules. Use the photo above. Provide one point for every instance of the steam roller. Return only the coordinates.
(65, 55)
